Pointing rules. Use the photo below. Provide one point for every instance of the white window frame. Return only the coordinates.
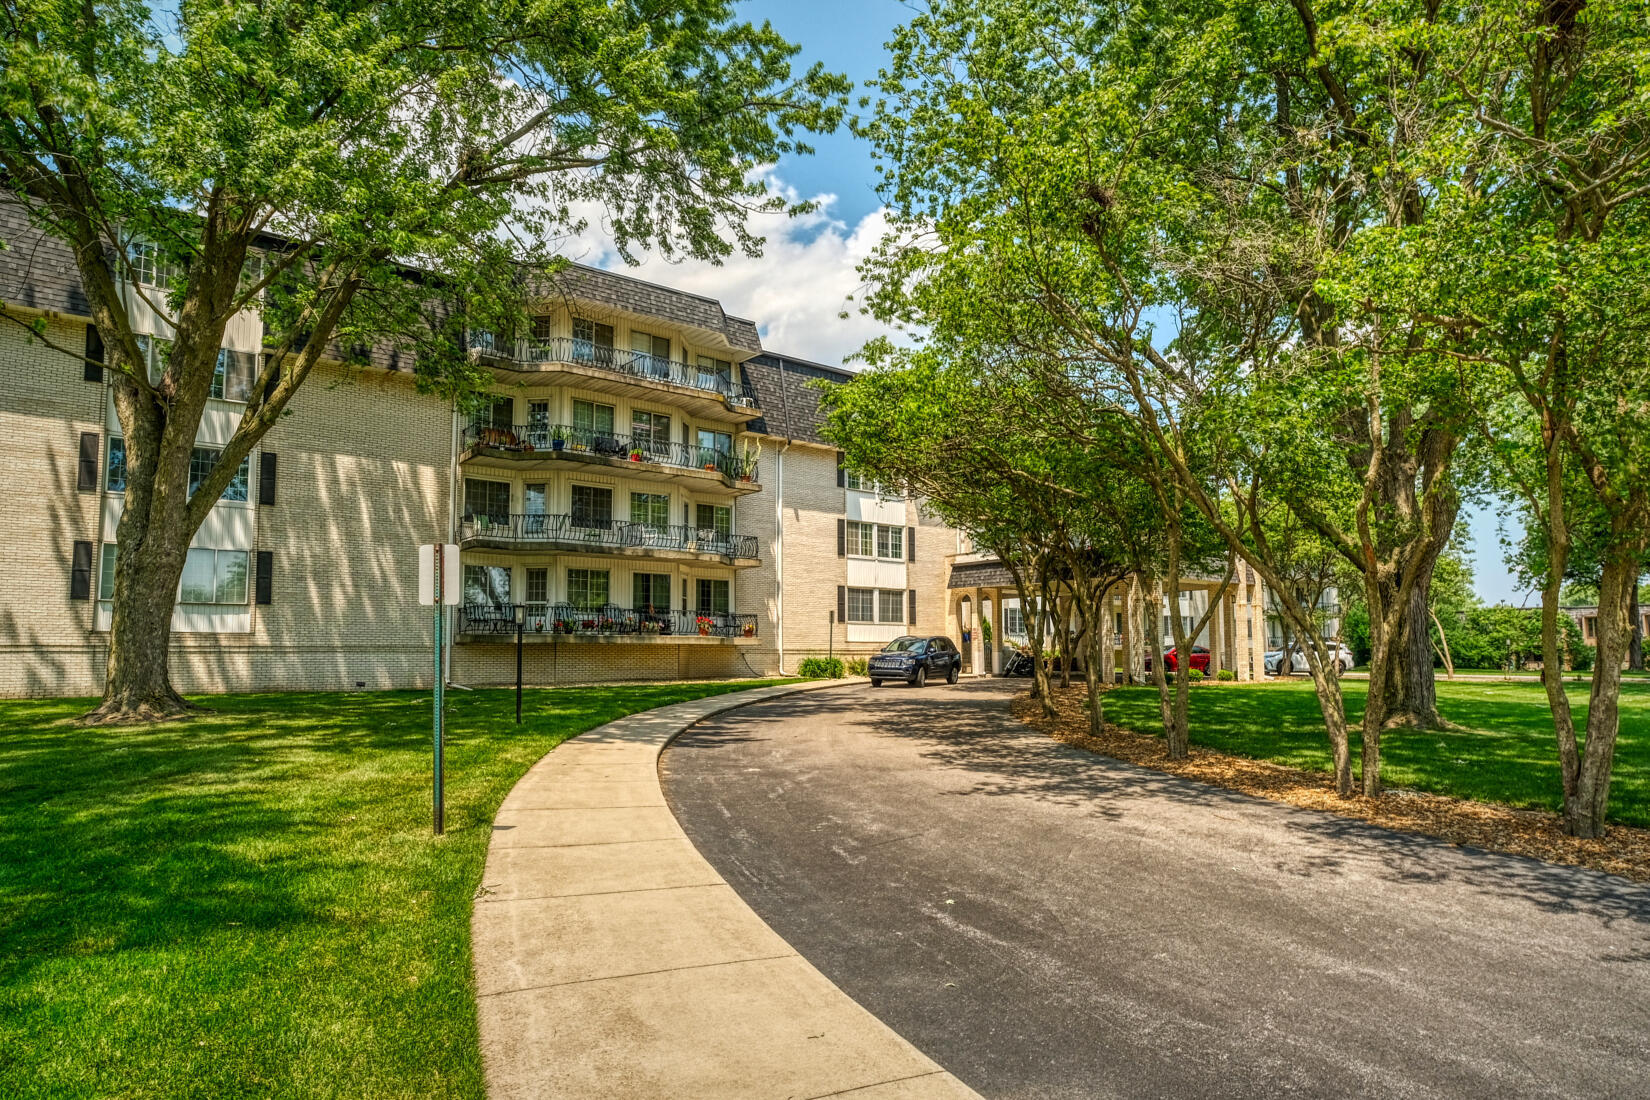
(890, 598)
(861, 614)
(221, 565)
(861, 539)
(890, 542)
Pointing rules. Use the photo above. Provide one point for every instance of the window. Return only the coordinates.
(202, 461)
(487, 498)
(497, 413)
(487, 585)
(213, 576)
(538, 586)
(715, 374)
(151, 267)
(115, 479)
(592, 506)
(866, 485)
(538, 424)
(650, 591)
(155, 353)
(650, 431)
(861, 539)
(652, 353)
(587, 587)
(890, 542)
(544, 326)
(106, 573)
(232, 378)
(533, 498)
(1014, 620)
(891, 605)
(715, 517)
(650, 509)
(714, 447)
(590, 418)
(862, 605)
(713, 597)
(592, 342)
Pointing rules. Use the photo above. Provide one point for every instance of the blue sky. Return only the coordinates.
(805, 279)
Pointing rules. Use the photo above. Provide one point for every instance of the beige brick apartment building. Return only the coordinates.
(648, 487)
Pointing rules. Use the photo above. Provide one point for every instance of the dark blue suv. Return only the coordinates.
(915, 659)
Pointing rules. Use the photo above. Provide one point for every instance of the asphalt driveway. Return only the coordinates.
(1047, 923)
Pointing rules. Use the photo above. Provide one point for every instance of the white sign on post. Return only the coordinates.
(426, 574)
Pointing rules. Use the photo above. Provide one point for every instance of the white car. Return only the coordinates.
(1299, 664)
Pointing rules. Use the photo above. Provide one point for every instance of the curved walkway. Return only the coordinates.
(1048, 923)
(613, 961)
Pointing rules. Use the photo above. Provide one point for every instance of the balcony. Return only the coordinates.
(582, 534)
(608, 623)
(616, 370)
(536, 446)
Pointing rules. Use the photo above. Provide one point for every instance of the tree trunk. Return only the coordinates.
(1443, 646)
(1333, 708)
(1586, 802)
(1412, 689)
(1635, 630)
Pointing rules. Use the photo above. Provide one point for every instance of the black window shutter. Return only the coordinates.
(841, 472)
(910, 544)
(265, 582)
(91, 448)
(841, 604)
(94, 355)
(80, 574)
(841, 538)
(266, 477)
(911, 606)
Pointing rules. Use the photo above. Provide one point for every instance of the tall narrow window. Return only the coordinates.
(890, 542)
(538, 587)
(106, 572)
(861, 539)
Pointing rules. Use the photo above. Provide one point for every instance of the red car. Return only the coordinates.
(1200, 660)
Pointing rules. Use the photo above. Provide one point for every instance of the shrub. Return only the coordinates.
(820, 668)
(1226, 674)
(1193, 675)
(859, 666)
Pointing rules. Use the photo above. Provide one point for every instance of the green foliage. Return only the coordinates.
(820, 668)
(1499, 750)
(253, 902)
(1194, 675)
(1225, 675)
(859, 666)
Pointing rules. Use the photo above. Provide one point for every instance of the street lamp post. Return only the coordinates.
(521, 623)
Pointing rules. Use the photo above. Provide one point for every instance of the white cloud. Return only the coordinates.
(795, 291)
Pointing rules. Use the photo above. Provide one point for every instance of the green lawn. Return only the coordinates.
(1505, 752)
(251, 903)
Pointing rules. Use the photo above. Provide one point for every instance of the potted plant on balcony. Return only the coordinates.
(749, 455)
(635, 454)
(705, 623)
(563, 626)
(650, 626)
(750, 630)
(609, 626)
(558, 438)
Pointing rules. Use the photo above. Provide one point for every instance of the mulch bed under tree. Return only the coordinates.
(1535, 833)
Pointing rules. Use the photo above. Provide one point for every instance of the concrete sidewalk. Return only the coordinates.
(612, 961)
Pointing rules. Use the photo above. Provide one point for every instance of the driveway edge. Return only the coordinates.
(611, 960)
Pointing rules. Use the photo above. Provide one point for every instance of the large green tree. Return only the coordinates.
(391, 163)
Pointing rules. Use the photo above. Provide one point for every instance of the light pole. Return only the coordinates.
(521, 622)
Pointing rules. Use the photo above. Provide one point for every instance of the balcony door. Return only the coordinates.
(593, 428)
(592, 342)
(714, 448)
(650, 433)
(487, 503)
(650, 354)
(714, 524)
(650, 593)
(487, 586)
(713, 597)
(650, 517)
(715, 374)
(592, 508)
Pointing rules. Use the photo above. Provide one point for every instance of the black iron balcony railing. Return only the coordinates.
(607, 620)
(636, 364)
(598, 533)
(532, 438)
